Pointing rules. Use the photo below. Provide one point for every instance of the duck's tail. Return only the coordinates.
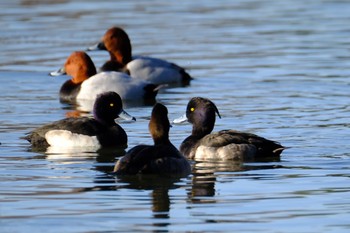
(186, 78)
(278, 151)
(151, 91)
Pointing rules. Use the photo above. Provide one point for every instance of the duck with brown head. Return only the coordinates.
(160, 158)
(116, 41)
(86, 84)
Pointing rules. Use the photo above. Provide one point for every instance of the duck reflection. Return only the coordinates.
(102, 155)
(160, 187)
(205, 173)
(160, 203)
(204, 178)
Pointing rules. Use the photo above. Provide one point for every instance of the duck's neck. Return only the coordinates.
(199, 131)
(83, 75)
(160, 135)
(112, 66)
(161, 140)
(103, 120)
(121, 58)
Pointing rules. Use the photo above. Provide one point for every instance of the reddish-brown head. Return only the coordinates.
(80, 66)
(117, 43)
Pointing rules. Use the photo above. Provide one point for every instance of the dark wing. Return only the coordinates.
(83, 125)
(166, 159)
(133, 161)
(160, 159)
(264, 146)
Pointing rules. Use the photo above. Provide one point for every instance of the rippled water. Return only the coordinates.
(279, 69)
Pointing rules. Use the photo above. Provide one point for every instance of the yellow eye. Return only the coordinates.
(111, 104)
(192, 109)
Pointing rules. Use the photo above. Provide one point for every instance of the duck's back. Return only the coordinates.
(236, 145)
(157, 159)
(168, 160)
(156, 70)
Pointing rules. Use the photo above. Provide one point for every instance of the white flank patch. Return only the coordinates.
(65, 138)
(228, 152)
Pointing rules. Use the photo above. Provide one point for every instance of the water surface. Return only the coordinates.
(275, 68)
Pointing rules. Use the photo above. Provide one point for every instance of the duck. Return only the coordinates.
(161, 158)
(99, 131)
(158, 71)
(86, 83)
(230, 144)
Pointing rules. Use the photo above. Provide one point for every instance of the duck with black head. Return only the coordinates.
(160, 158)
(116, 41)
(101, 131)
(225, 144)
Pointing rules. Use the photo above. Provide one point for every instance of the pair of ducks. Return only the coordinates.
(162, 157)
(132, 77)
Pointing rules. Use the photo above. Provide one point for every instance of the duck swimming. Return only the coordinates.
(97, 132)
(225, 144)
(86, 84)
(160, 158)
(116, 41)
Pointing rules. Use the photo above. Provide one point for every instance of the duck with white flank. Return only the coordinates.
(225, 144)
(100, 131)
(86, 84)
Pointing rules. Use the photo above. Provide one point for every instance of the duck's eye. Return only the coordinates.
(111, 104)
(192, 109)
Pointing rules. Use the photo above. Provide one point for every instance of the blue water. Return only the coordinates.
(279, 69)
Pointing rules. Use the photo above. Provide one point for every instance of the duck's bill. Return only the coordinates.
(124, 115)
(181, 119)
(58, 72)
(98, 46)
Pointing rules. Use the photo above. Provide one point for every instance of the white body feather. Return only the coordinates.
(154, 70)
(65, 138)
(128, 88)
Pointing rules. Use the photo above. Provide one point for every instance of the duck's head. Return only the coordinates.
(108, 106)
(116, 41)
(200, 112)
(78, 65)
(159, 124)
